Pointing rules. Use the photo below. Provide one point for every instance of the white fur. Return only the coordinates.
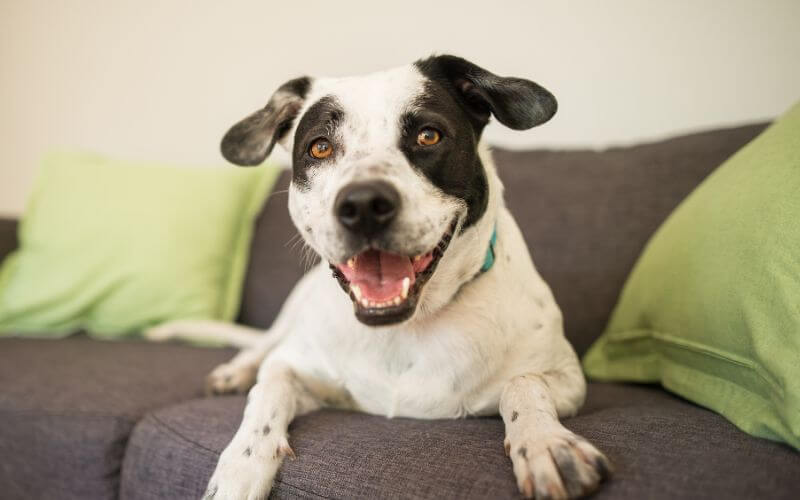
(476, 345)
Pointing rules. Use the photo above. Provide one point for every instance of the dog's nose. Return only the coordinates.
(367, 208)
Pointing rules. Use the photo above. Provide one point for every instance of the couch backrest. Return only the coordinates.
(586, 215)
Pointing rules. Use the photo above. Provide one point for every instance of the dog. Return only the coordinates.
(434, 308)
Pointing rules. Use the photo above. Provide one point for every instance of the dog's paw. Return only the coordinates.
(557, 466)
(246, 472)
(231, 378)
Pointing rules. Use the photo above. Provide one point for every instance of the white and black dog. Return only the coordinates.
(443, 314)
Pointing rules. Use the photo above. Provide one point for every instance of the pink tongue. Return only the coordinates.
(379, 275)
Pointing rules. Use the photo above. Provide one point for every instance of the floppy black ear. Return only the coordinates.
(250, 141)
(517, 103)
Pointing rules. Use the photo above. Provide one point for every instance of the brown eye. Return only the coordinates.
(320, 149)
(428, 137)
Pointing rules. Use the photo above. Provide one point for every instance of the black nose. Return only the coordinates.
(367, 208)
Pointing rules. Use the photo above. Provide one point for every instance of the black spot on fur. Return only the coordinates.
(514, 416)
(523, 452)
(265, 430)
(248, 451)
(568, 469)
(453, 165)
(320, 120)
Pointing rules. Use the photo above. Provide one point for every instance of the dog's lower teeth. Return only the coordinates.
(406, 286)
(356, 292)
(397, 301)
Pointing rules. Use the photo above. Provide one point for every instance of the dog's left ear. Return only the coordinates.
(250, 141)
(517, 103)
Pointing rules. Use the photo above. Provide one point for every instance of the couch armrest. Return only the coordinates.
(8, 236)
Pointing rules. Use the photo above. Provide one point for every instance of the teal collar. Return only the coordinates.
(488, 262)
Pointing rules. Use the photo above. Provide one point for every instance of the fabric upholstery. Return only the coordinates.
(586, 215)
(67, 408)
(720, 327)
(8, 236)
(662, 447)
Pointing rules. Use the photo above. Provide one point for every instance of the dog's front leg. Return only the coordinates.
(248, 464)
(549, 460)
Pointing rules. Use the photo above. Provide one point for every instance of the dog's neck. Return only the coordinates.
(466, 257)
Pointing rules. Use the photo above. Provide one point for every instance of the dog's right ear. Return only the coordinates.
(250, 141)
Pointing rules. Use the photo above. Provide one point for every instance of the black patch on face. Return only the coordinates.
(514, 416)
(453, 165)
(320, 120)
(460, 97)
(248, 451)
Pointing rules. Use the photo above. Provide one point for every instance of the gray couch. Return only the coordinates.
(81, 418)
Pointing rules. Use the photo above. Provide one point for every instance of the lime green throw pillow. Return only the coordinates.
(114, 247)
(712, 308)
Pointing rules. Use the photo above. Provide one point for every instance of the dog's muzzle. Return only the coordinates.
(383, 286)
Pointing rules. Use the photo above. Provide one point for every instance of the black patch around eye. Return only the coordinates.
(453, 165)
(320, 120)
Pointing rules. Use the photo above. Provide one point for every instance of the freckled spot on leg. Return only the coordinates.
(523, 452)
(248, 451)
(508, 258)
(539, 302)
(210, 492)
(514, 416)
(274, 414)
(265, 430)
(538, 326)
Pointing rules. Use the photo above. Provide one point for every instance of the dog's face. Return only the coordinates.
(386, 170)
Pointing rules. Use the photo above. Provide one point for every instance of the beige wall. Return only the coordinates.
(163, 79)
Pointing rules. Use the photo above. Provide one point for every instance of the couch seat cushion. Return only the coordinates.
(661, 446)
(68, 406)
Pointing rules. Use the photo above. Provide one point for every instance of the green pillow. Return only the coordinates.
(114, 247)
(712, 307)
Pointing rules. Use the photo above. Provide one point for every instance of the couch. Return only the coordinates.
(86, 419)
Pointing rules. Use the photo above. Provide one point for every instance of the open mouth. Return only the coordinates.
(384, 286)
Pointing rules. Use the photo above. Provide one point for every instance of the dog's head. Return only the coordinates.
(387, 175)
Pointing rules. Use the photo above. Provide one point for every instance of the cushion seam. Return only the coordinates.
(669, 340)
(71, 414)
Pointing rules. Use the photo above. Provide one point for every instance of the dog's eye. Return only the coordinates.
(320, 149)
(428, 137)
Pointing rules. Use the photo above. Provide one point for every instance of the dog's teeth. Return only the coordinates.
(397, 301)
(406, 286)
(365, 302)
(351, 263)
(417, 258)
(356, 292)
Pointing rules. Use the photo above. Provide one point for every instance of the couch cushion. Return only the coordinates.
(661, 446)
(67, 408)
(586, 216)
(8, 236)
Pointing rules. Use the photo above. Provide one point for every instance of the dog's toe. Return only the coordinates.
(558, 467)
